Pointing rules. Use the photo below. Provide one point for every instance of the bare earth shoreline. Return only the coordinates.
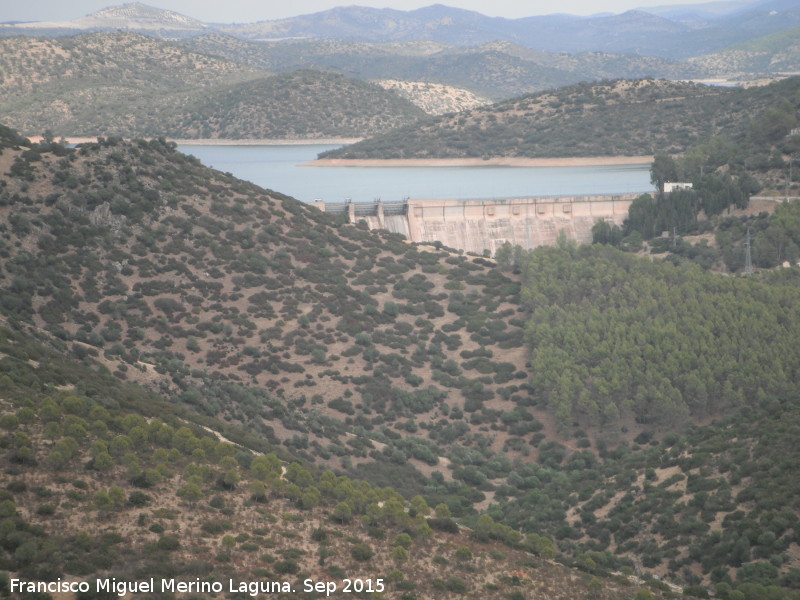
(500, 161)
(503, 161)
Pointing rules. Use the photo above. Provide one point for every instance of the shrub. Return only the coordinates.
(168, 543)
(286, 567)
(361, 552)
(456, 585)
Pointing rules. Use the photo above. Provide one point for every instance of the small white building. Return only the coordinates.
(671, 186)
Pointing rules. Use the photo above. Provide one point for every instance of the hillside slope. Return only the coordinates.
(111, 84)
(776, 53)
(434, 98)
(103, 83)
(396, 364)
(215, 284)
(123, 58)
(104, 481)
(638, 117)
(301, 104)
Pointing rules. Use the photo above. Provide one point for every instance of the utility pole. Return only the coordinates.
(787, 180)
(748, 257)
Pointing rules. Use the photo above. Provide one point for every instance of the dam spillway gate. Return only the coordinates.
(486, 224)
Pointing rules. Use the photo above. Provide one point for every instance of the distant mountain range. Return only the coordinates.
(700, 12)
(134, 16)
(497, 70)
(217, 80)
(667, 32)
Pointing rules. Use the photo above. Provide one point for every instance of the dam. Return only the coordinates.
(481, 225)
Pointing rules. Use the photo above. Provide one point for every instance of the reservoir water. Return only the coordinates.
(277, 167)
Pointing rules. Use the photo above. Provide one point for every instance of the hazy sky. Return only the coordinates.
(248, 11)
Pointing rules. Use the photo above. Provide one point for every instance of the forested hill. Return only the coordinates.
(302, 104)
(616, 337)
(617, 118)
(394, 364)
(100, 82)
(108, 84)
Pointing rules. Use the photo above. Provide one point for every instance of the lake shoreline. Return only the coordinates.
(508, 161)
(224, 142)
(498, 161)
(267, 142)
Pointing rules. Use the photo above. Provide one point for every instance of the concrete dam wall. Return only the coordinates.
(478, 225)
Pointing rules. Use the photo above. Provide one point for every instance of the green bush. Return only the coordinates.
(361, 552)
